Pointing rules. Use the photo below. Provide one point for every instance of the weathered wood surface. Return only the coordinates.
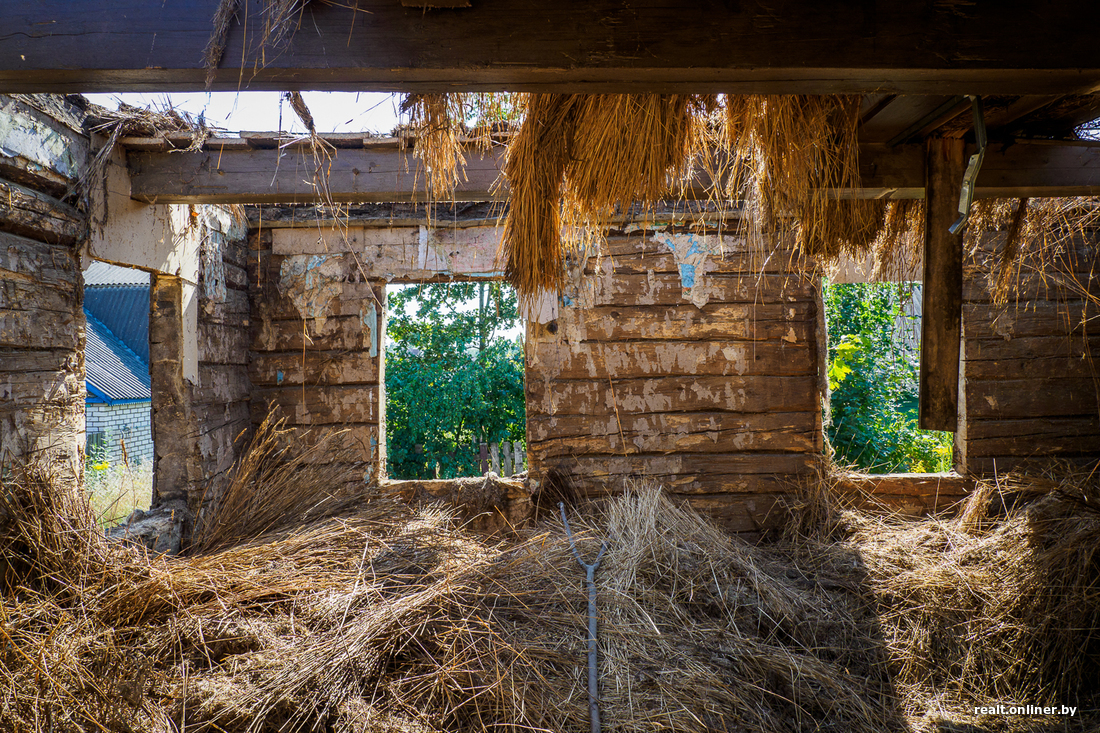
(485, 504)
(28, 213)
(1027, 367)
(905, 484)
(941, 316)
(684, 359)
(1037, 396)
(221, 431)
(1030, 372)
(222, 383)
(360, 440)
(496, 45)
(234, 311)
(667, 289)
(789, 323)
(40, 295)
(1070, 318)
(1041, 428)
(334, 239)
(42, 412)
(671, 393)
(374, 173)
(201, 424)
(222, 344)
(749, 516)
(46, 152)
(401, 254)
(1045, 447)
(335, 333)
(1031, 347)
(914, 495)
(381, 171)
(716, 399)
(316, 368)
(319, 405)
(674, 433)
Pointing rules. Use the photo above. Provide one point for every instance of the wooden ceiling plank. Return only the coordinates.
(947, 111)
(849, 46)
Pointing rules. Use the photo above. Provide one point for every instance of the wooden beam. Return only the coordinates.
(941, 317)
(795, 46)
(380, 172)
(228, 172)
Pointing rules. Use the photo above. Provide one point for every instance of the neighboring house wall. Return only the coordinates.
(122, 431)
(42, 154)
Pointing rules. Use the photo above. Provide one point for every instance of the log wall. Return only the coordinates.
(1030, 386)
(316, 343)
(668, 360)
(200, 424)
(42, 153)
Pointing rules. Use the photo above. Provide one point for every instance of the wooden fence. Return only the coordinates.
(503, 459)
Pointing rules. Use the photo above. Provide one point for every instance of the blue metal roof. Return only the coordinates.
(101, 273)
(124, 309)
(114, 373)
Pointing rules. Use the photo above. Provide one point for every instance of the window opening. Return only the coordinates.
(873, 369)
(455, 403)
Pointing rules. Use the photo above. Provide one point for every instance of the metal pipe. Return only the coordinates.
(593, 672)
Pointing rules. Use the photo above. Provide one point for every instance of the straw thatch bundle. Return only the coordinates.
(578, 159)
(1051, 238)
(371, 616)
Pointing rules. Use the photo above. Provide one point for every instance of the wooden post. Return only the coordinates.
(520, 458)
(483, 457)
(506, 458)
(941, 321)
(494, 451)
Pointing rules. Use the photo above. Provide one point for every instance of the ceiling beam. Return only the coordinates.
(233, 171)
(748, 46)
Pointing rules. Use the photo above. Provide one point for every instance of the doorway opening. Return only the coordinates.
(118, 451)
(454, 389)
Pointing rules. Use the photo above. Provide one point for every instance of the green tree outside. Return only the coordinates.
(451, 380)
(874, 363)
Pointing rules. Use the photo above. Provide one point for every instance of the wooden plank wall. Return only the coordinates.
(316, 341)
(42, 152)
(221, 398)
(1030, 369)
(199, 428)
(676, 362)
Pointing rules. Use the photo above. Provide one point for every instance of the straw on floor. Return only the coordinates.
(371, 616)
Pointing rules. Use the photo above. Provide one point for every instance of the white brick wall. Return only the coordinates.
(128, 423)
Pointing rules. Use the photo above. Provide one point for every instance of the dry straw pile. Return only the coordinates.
(368, 616)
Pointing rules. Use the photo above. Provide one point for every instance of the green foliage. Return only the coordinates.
(450, 380)
(873, 372)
